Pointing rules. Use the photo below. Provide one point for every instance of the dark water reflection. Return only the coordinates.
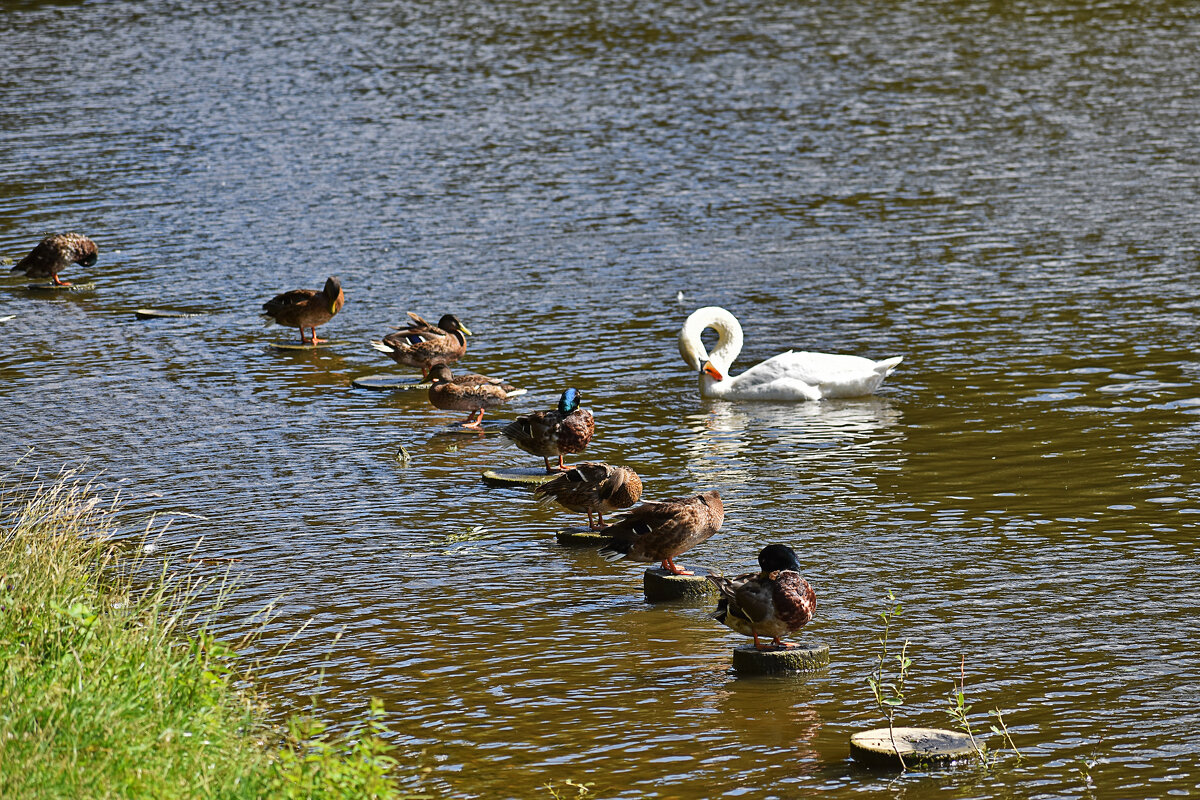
(1002, 192)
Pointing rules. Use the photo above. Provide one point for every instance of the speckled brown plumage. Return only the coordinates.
(474, 393)
(53, 253)
(566, 429)
(422, 345)
(660, 531)
(773, 602)
(593, 487)
(307, 308)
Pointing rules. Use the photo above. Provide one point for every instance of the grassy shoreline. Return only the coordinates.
(111, 687)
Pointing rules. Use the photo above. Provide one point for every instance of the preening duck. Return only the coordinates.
(790, 376)
(53, 253)
(661, 531)
(773, 602)
(593, 487)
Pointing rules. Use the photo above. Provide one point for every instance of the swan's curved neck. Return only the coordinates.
(729, 338)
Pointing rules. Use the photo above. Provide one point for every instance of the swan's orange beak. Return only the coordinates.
(712, 372)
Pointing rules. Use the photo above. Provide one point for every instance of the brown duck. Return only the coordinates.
(773, 602)
(566, 429)
(307, 308)
(661, 531)
(53, 253)
(422, 345)
(474, 393)
(593, 487)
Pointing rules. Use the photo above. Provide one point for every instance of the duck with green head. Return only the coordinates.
(773, 602)
(566, 429)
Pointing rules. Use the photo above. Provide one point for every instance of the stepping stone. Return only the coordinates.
(162, 313)
(748, 660)
(582, 537)
(523, 478)
(390, 383)
(53, 287)
(920, 747)
(662, 586)
(286, 346)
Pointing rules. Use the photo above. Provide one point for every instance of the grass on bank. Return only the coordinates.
(115, 688)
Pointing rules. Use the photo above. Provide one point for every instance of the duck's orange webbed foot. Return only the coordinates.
(670, 567)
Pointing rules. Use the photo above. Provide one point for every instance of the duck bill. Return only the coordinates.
(464, 329)
(712, 371)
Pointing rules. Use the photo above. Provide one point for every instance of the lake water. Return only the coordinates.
(1004, 193)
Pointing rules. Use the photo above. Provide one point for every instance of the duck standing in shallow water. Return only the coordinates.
(566, 429)
(661, 531)
(773, 602)
(53, 253)
(422, 345)
(789, 376)
(593, 487)
(306, 308)
(474, 393)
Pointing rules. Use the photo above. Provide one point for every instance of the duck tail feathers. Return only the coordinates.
(381, 347)
(616, 549)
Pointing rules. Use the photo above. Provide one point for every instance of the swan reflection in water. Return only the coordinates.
(731, 440)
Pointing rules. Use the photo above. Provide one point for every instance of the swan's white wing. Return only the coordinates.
(773, 379)
(809, 376)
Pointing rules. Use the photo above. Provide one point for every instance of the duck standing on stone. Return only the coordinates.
(773, 602)
(53, 253)
(661, 531)
(474, 393)
(593, 487)
(566, 429)
(422, 345)
(307, 308)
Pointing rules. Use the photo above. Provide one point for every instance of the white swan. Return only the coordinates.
(788, 376)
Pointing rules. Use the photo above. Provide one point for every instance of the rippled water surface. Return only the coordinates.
(1004, 193)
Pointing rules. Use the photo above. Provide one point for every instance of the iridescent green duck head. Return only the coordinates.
(569, 401)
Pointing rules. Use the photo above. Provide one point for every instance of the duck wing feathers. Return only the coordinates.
(552, 433)
(662, 530)
(593, 486)
(769, 604)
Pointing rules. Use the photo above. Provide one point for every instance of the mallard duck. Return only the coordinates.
(773, 602)
(661, 531)
(53, 253)
(789, 376)
(566, 429)
(422, 345)
(307, 308)
(474, 393)
(593, 487)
